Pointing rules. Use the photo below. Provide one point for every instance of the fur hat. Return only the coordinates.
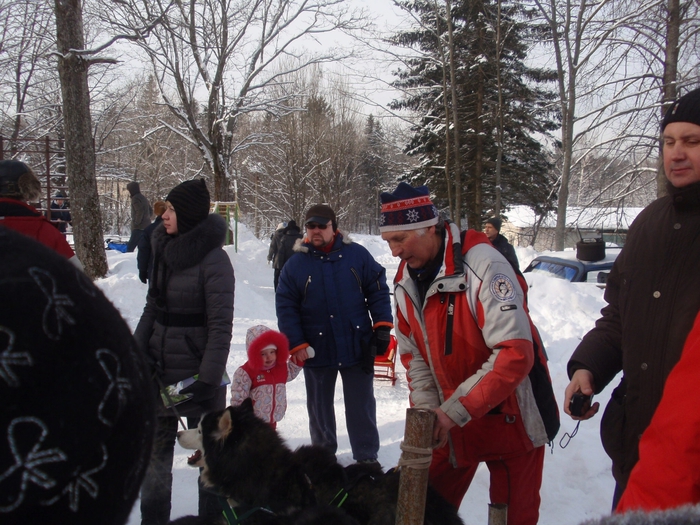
(321, 213)
(191, 202)
(78, 408)
(685, 109)
(259, 337)
(17, 181)
(159, 208)
(495, 222)
(407, 208)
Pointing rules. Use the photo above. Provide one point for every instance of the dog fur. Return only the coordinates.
(245, 460)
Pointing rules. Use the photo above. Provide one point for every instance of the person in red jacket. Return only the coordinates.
(18, 185)
(667, 474)
(471, 353)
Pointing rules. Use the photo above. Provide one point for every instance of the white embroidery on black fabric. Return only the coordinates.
(81, 480)
(118, 385)
(9, 358)
(55, 313)
(30, 463)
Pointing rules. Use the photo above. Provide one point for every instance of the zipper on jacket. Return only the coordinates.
(357, 278)
(450, 323)
(306, 287)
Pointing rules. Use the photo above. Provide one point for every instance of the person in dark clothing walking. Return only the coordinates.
(285, 248)
(492, 229)
(143, 255)
(60, 212)
(140, 215)
(186, 329)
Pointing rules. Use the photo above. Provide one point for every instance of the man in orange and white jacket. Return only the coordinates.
(471, 353)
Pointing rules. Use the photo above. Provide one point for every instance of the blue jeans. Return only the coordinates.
(360, 409)
(157, 484)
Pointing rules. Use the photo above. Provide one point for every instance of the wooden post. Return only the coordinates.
(498, 513)
(414, 463)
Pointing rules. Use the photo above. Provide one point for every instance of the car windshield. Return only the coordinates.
(554, 270)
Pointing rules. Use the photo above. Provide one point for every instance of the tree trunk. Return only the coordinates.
(80, 148)
(673, 22)
(455, 120)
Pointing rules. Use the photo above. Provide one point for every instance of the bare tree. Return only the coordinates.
(80, 151)
(227, 53)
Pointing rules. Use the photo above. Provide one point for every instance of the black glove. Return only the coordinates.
(201, 392)
(380, 340)
(143, 276)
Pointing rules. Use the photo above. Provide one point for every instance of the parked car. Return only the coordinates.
(565, 265)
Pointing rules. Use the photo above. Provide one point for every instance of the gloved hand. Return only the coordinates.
(380, 340)
(200, 391)
(143, 276)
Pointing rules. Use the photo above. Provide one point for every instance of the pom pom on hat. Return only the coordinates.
(191, 203)
(685, 109)
(407, 208)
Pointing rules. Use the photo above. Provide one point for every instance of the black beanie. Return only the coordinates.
(191, 203)
(495, 222)
(78, 405)
(685, 109)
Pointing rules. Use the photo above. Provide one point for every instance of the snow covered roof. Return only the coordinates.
(588, 218)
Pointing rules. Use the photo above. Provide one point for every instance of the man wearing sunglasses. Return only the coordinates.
(333, 304)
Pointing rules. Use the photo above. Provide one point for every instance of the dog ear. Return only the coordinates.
(247, 404)
(225, 425)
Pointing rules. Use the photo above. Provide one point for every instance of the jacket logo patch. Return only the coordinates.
(507, 307)
(502, 288)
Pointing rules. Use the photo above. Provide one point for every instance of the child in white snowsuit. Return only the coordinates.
(264, 376)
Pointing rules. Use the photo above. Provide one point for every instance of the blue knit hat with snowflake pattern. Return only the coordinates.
(407, 208)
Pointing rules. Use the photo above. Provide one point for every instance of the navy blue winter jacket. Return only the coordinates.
(326, 299)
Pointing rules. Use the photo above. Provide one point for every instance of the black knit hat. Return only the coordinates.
(495, 222)
(191, 203)
(685, 109)
(78, 405)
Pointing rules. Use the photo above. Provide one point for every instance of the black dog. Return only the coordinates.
(248, 462)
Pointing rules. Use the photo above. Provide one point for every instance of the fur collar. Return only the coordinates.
(180, 252)
(302, 245)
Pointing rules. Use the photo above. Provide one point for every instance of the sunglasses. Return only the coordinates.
(316, 226)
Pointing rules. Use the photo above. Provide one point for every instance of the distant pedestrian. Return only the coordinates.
(492, 229)
(284, 247)
(141, 213)
(60, 212)
(144, 261)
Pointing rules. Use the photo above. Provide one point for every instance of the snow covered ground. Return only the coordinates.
(577, 481)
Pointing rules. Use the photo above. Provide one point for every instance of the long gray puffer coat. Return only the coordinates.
(187, 322)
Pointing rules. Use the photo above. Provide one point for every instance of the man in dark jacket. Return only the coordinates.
(492, 229)
(326, 295)
(60, 212)
(284, 245)
(652, 295)
(140, 214)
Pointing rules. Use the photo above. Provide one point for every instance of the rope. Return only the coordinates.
(422, 462)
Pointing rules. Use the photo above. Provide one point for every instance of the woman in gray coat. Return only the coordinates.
(186, 330)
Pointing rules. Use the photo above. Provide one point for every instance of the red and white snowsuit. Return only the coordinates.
(468, 349)
(266, 388)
